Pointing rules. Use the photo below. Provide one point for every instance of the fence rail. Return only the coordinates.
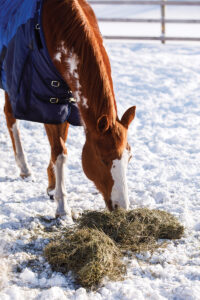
(129, 20)
(176, 3)
(163, 21)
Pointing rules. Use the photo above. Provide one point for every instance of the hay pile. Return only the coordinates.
(89, 253)
(93, 250)
(136, 230)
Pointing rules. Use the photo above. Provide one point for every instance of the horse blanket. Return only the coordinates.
(36, 89)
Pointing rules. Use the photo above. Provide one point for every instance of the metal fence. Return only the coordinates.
(162, 20)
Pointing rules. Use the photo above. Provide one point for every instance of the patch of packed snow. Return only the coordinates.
(164, 83)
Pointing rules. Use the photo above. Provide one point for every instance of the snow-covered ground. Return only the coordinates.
(164, 83)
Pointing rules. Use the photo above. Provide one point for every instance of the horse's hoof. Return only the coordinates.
(50, 193)
(65, 220)
(27, 177)
(64, 213)
(75, 215)
(60, 215)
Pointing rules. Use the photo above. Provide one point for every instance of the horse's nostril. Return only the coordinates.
(116, 206)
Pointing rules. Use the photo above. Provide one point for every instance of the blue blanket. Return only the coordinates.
(36, 89)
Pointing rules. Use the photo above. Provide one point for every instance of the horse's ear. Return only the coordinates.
(128, 116)
(102, 124)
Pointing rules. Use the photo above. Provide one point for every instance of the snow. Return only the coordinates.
(164, 83)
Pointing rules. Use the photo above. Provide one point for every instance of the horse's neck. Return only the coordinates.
(76, 47)
(89, 77)
(92, 88)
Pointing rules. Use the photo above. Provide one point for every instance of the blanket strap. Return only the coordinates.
(37, 27)
(2, 56)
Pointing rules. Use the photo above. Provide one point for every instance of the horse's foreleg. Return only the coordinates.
(57, 135)
(51, 180)
(15, 138)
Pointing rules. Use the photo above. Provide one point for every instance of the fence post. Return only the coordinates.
(163, 21)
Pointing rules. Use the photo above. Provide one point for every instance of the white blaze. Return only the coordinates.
(119, 194)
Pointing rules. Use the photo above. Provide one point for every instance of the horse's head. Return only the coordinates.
(105, 158)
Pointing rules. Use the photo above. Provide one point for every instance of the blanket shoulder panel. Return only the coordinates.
(27, 71)
(12, 15)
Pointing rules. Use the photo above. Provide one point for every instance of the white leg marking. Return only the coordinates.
(20, 156)
(119, 194)
(60, 194)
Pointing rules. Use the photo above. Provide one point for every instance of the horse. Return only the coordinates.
(75, 46)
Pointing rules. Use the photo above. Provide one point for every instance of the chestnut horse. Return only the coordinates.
(76, 48)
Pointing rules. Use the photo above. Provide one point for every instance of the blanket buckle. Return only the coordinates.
(54, 100)
(55, 83)
(37, 26)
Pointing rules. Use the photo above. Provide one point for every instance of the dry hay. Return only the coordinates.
(89, 253)
(136, 230)
(93, 250)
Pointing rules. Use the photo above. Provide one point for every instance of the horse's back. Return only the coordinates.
(12, 15)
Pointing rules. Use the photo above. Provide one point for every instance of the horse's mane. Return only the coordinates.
(73, 22)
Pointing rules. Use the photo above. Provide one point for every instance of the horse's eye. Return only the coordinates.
(128, 147)
(105, 162)
(130, 157)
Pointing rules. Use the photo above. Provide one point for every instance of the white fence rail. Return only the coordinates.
(162, 20)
